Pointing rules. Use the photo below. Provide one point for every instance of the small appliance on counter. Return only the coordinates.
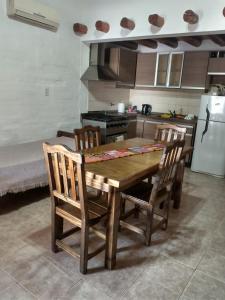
(146, 109)
(121, 108)
(217, 90)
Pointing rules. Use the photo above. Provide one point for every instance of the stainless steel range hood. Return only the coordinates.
(99, 68)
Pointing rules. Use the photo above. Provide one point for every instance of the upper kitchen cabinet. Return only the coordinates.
(216, 66)
(123, 63)
(195, 70)
(145, 73)
(169, 69)
(162, 69)
(176, 66)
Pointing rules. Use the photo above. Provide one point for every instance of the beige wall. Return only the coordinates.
(102, 94)
(162, 101)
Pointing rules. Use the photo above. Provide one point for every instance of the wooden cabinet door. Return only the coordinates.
(114, 60)
(127, 66)
(149, 130)
(176, 65)
(195, 69)
(132, 129)
(162, 69)
(216, 65)
(145, 72)
(140, 128)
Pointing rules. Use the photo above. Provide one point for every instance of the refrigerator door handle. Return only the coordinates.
(207, 123)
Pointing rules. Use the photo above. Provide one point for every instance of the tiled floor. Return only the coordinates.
(186, 262)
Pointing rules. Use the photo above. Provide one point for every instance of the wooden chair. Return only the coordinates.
(146, 196)
(87, 137)
(169, 133)
(70, 202)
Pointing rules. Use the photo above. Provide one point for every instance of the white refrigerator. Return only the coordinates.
(209, 147)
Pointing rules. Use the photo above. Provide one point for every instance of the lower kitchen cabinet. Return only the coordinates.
(132, 128)
(150, 129)
(140, 128)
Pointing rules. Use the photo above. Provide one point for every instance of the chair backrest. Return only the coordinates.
(169, 133)
(66, 177)
(167, 168)
(87, 137)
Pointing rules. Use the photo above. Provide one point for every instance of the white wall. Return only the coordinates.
(210, 14)
(31, 60)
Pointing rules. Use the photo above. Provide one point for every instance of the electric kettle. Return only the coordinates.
(146, 109)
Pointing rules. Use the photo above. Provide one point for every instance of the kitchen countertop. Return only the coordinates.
(156, 117)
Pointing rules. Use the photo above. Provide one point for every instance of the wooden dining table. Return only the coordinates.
(120, 174)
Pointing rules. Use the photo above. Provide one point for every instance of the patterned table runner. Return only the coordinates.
(113, 154)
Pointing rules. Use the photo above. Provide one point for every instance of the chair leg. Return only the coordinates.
(137, 211)
(56, 229)
(123, 207)
(84, 248)
(161, 205)
(166, 211)
(149, 225)
(177, 187)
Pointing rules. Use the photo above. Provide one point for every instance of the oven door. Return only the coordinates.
(116, 137)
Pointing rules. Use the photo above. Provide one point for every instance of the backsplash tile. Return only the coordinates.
(187, 102)
(102, 94)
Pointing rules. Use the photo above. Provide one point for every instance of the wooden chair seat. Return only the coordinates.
(96, 211)
(142, 192)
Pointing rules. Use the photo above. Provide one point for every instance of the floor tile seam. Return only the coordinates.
(171, 290)
(218, 252)
(158, 283)
(20, 285)
(178, 262)
(210, 276)
(124, 290)
(187, 285)
(210, 248)
(51, 261)
(73, 286)
(203, 254)
(11, 256)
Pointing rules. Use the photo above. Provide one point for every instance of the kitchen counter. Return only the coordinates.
(156, 117)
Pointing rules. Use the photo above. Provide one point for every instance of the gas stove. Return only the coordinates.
(104, 116)
(113, 125)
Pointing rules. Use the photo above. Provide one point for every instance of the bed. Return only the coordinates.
(22, 166)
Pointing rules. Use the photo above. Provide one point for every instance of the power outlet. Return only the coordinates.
(47, 91)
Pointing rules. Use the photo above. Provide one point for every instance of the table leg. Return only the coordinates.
(112, 228)
(177, 188)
